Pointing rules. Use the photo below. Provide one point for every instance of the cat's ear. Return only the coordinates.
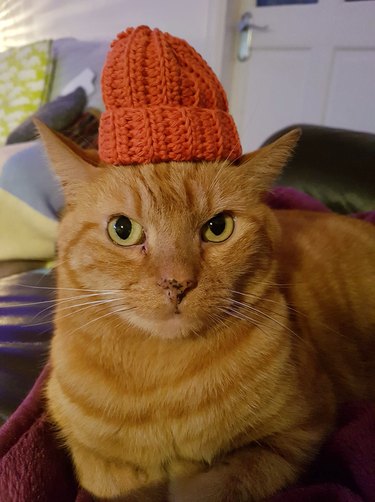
(265, 164)
(72, 165)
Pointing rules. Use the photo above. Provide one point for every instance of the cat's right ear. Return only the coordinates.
(264, 165)
(73, 166)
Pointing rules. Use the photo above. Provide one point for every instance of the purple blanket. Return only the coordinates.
(35, 468)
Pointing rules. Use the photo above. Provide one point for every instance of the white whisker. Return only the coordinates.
(55, 288)
(122, 309)
(253, 295)
(85, 306)
(243, 317)
(56, 301)
(260, 312)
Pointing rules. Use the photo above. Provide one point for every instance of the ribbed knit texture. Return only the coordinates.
(163, 103)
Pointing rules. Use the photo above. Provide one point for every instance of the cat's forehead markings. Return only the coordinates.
(124, 189)
(160, 188)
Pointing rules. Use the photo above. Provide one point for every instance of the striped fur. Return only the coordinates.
(230, 399)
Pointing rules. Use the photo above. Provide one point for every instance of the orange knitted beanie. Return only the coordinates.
(163, 103)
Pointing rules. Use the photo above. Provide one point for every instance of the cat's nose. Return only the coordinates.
(176, 290)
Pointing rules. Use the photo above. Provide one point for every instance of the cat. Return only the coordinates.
(203, 342)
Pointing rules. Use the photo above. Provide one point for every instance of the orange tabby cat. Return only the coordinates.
(203, 341)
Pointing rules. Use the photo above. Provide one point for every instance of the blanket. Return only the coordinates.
(35, 467)
(28, 187)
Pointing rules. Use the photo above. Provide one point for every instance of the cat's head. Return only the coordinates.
(173, 241)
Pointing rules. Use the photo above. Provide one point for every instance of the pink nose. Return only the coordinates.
(176, 290)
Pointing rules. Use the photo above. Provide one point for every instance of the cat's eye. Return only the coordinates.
(125, 231)
(218, 229)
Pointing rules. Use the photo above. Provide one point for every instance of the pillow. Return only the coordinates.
(58, 114)
(71, 57)
(8, 151)
(30, 201)
(333, 165)
(24, 83)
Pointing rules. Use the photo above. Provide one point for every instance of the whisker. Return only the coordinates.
(297, 312)
(260, 312)
(69, 314)
(91, 303)
(268, 309)
(88, 306)
(122, 309)
(55, 288)
(243, 317)
(253, 295)
(54, 301)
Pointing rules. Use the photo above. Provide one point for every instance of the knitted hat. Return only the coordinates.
(163, 103)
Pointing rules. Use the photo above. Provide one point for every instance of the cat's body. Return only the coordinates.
(224, 388)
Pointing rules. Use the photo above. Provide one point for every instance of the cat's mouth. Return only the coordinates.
(174, 323)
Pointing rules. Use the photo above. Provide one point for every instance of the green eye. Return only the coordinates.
(219, 228)
(125, 231)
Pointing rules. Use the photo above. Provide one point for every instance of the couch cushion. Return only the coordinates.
(333, 165)
(7, 151)
(71, 57)
(58, 114)
(24, 83)
(30, 198)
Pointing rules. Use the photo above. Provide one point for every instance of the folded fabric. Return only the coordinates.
(25, 74)
(84, 131)
(30, 194)
(57, 114)
(34, 466)
(30, 200)
(7, 151)
(26, 310)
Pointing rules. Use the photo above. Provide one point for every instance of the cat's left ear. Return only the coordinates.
(265, 164)
(72, 165)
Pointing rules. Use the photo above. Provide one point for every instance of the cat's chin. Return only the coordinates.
(176, 326)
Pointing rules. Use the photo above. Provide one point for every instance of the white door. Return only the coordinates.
(314, 64)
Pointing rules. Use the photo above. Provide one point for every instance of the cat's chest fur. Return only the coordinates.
(171, 411)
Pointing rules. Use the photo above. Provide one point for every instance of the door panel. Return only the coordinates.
(283, 97)
(352, 84)
(315, 64)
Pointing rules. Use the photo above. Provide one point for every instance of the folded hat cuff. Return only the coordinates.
(154, 134)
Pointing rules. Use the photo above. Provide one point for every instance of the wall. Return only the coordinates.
(201, 22)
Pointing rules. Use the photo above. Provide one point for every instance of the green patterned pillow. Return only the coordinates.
(24, 83)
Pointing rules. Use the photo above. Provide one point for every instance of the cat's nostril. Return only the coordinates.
(177, 290)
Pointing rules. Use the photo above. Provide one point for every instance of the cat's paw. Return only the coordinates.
(153, 493)
(212, 486)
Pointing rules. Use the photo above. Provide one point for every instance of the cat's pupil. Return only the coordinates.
(123, 227)
(217, 224)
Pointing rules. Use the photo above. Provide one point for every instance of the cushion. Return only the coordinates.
(31, 196)
(333, 165)
(8, 151)
(30, 199)
(71, 56)
(57, 114)
(24, 83)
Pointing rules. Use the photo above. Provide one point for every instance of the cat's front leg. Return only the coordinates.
(110, 480)
(246, 477)
(249, 474)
